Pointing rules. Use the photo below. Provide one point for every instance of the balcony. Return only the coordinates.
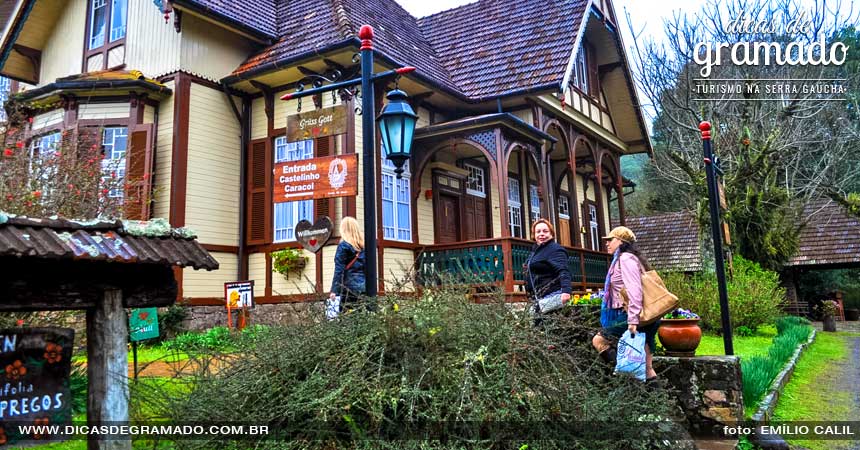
(499, 262)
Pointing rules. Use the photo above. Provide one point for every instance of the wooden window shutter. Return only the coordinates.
(259, 204)
(138, 173)
(324, 146)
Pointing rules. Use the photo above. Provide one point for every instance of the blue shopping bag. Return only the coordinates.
(631, 355)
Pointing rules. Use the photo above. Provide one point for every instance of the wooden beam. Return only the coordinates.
(107, 368)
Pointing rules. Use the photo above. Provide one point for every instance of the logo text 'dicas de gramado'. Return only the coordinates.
(787, 52)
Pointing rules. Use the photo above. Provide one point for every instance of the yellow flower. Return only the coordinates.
(396, 307)
(576, 297)
(434, 330)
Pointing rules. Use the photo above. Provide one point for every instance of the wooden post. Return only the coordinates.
(107, 367)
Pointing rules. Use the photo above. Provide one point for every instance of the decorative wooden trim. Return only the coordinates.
(349, 205)
(221, 248)
(35, 57)
(319, 268)
(399, 244)
(179, 160)
(70, 115)
(268, 274)
(137, 107)
(109, 122)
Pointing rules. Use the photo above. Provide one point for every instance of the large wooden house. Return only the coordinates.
(525, 109)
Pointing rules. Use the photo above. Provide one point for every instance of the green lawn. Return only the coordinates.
(814, 392)
(145, 354)
(743, 345)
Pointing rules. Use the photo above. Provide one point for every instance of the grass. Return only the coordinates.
(813, 393)
(145, 354)
(756, 344)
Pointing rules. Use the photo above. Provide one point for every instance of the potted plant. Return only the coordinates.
(829, 311)
(679, 332)
(288, 260)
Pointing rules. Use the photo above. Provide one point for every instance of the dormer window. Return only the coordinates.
(106, 29)
(585, 70)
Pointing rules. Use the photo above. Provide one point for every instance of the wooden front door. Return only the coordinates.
(564, 235)
(475, 212)
(448, 218)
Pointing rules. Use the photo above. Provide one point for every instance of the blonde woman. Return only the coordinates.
(349, 282)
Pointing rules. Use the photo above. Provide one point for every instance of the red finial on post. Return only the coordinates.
(366, 36)
(705, 128)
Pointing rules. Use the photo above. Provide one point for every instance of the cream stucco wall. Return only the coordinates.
(63, 52)
(210, 51)
(201, 283)
(214, 153)
(163, 157)
(398, 265)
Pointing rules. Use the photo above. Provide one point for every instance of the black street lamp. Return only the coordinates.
(392, 131)
(396, 126)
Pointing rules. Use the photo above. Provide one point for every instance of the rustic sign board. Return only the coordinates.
(311, 179)
(314, 236)
(143, 324)
(316, 124)
(239, 294)
(35, 363)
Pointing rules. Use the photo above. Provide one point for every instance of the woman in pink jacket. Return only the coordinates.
(625, 273)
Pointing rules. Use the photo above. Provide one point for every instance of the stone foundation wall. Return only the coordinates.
(709, 390)
(205, 317)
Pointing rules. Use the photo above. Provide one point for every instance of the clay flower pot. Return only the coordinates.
(680, 337)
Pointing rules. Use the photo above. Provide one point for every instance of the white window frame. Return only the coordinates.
(120, 30)
(515, 208)
(300, 209)
(91, 41)
(114, 160)
(477, 175)
(534, 203)
(593, 225)
(396, 195)
(5, 87)
(563, 207)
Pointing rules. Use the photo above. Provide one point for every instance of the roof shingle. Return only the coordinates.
(669, 241)
(830, 237)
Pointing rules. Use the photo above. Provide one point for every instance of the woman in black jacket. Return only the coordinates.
(547, 272)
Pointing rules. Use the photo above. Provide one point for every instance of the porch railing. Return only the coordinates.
(501, 262)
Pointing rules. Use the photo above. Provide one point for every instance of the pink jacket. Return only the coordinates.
(626, 273)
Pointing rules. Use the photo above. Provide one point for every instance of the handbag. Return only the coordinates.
(656, 299)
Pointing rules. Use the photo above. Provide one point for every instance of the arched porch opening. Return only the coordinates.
(525, 202)
(611, 186)
(589, 207)
(563, 188)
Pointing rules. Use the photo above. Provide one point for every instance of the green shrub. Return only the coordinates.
(760, 371)
(217, 339)
(754, 295)
(170, 320)
(439, 360)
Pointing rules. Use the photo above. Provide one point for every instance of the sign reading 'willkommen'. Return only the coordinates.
(316, 124)
(323, 177)
(35, 389)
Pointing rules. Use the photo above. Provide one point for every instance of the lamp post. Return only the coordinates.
(710, 171)
(397, 122)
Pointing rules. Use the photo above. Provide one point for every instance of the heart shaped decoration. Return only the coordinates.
(313, 236)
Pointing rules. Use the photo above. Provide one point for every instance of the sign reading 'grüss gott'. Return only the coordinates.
(310, 179)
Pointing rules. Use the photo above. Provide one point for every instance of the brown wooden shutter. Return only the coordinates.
(259, 208)
(593, 78)
(325, 206)
(138, 173)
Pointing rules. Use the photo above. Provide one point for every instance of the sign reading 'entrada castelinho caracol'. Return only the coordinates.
(323, 177)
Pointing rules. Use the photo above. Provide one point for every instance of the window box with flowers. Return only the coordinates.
(288, 260)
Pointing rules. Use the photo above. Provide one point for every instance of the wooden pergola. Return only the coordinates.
(102, 268)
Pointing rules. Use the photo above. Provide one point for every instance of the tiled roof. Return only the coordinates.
(116, 242)
(669, 241)
(830, 237)
(482, 49)
(496, 46)
(259, 15)
(308, 27)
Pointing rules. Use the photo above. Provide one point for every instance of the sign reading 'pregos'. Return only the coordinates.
(323, 177)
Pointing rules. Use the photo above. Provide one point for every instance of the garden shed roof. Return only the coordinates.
(151, 242)
(831, 237)
(669, 241)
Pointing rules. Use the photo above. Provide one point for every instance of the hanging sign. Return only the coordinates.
(311, 179)
(316, 124)
(143, 324)
(239, 294)
(35, 391)
(314, 236)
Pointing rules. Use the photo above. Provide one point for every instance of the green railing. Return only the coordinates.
(484, 262)
(478, 262)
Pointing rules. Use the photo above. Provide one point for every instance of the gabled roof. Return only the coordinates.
(259, 17)
(477, 51)
(669, 241)
(831, 237)
(493, 47)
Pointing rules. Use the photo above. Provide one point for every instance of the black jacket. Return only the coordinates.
(547, 270)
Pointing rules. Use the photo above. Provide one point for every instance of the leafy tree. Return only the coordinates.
(776, 153)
